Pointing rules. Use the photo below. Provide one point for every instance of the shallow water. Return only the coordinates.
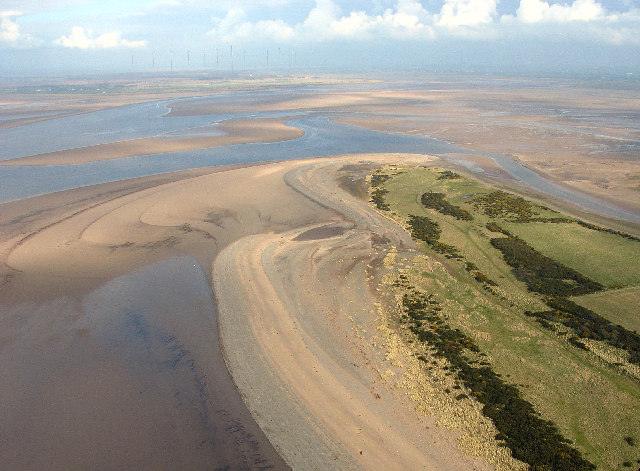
(130, 376)
(322, 137)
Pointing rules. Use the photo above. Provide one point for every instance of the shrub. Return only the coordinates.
(438, 202)
(609, 231)
(541, 273)
(377, 198)
(587, 324)
(500, 204)
(427, 230)
(493, 227)
(530, 438)
(448, 175)
(378, 179)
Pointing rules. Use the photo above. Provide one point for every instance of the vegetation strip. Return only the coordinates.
(541, 273)
(587, 324)
(377, 198)
(438, 202)
(580, 379)
(503, 205)
(427, 230)
(530, 438)
(593, 227)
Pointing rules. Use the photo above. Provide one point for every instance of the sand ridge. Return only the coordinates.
(234, 132)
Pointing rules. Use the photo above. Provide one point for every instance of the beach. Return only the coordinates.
(111, 305)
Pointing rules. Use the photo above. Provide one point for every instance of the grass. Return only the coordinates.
(609, 259)
(530, 438)
(620, 306)
(592, 403)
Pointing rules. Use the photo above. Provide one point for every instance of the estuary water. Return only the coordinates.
(322, 137)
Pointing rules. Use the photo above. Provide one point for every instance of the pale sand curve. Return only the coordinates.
(235, 132)
(287, 307)
(90, 318)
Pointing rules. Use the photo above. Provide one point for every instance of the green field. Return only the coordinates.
(592, 402)
(606, 258)
(621, 306)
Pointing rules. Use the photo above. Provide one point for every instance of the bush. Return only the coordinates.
(423, 228)
(609, 231)
(500, 204)
(378, 179)
(541, 273)
(377, 198)
(493, 227)
(530, 438)
(448, 175)
(438, 202)
(587, 324)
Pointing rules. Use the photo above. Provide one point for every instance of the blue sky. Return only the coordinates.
(48, 36)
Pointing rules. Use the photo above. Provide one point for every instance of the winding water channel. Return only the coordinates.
(160, 321)
(322, 137)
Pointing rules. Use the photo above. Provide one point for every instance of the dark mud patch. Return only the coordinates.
(322, 232)
(352, 178)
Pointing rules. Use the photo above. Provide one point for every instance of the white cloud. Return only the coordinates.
(456, 13)
(535, 11)
(325, 21)
(9, 28)
(81, 38)
(235, 27)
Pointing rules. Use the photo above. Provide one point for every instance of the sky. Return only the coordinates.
(57, 37)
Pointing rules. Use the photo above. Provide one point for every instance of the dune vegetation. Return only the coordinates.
(530, 311)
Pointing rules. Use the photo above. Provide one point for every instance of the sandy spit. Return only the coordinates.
(111, 300)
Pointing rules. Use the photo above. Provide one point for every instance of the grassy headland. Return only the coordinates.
(515, 302)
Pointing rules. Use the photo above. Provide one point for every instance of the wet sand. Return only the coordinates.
(109, 327)
(581, 137)
(234, 132)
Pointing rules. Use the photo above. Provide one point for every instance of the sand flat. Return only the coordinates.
(235, 132)
(122, 334)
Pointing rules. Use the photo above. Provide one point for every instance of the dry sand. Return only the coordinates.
(235, 132)
(109, 345)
